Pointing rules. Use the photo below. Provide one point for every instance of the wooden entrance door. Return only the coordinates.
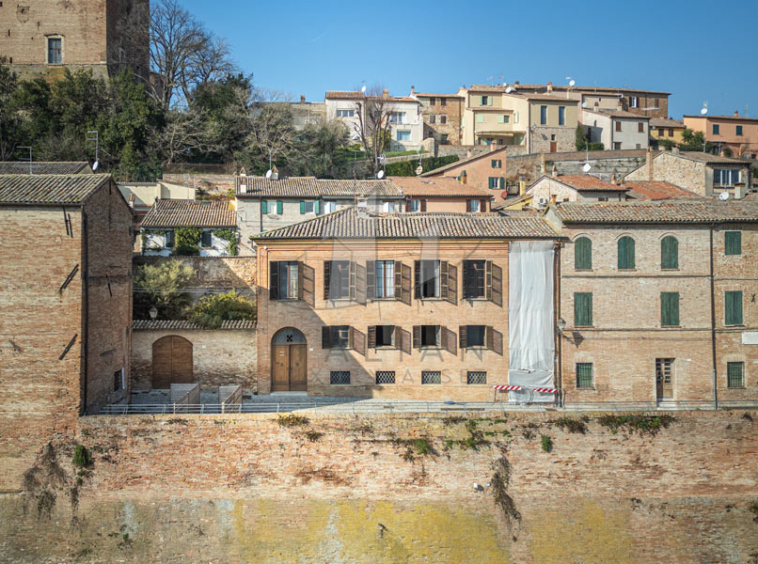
(664, 369)
(553, 146)
(289, 365)
(172, 362)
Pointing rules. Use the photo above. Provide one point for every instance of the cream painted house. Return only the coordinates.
(617, 130)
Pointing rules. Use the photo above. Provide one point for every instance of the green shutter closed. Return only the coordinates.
(583, 254)
(733, 308)
(626, 253)
(669, 309)
(670, 253)
(583, 309)
(317, 207)
(733, 243)
(279, 207)
(264, 207)
(302, 207)
(502, 183)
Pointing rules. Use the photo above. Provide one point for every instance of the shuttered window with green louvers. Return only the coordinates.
(669, 253)
(626, 253)
(583, 309)
(669, 309)
(733, 243)
(733, 308)
(583, 254)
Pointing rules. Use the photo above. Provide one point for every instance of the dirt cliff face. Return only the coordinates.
(549, 489)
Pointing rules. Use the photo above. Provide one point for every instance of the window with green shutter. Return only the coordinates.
(733, 243)
(583, 253)
(735, 374)
(669, 253)
(264, 207)
(626, 253)
(583, 309)
(733, 308)
(583, 374)
(279, 207)
(669, 309)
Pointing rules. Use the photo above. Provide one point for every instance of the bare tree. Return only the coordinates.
(183, 53)
(374, 113)
(186, 132)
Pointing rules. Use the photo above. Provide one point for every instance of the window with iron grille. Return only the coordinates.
(583, 374)
(476, 377)
(431, 377)
(385, 376)
(339, 377)
(735, 374)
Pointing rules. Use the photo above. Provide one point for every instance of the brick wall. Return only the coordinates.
(275, 315)
(679, 171)
(452, 110)
(220, 358)
(541, 139)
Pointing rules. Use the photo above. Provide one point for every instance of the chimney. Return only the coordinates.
(554, 171)
(493, 147)
(463, 178)
(385, 93)
(549, 87)
(302, 98)
(736, 113)
(413, 90)
(131, 200)
(543, 166)
(613, 178)
(274, 173)
(649, 159)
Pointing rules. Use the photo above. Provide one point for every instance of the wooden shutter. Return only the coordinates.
(371, 280)
(327, 278)
(408, 206)
(302, 207)
(497, 341)
(404, 339)
(417, 280)
(307, 282)
(488, 279)
(670, 253)
(317, 207)
(583, 254)
(417, 336)
(733, 308)
(483, 205)
(669, 309)
(273, 280)
(279, 207)
(264, 207)
(468, 205)
(452, 284)
(626, 253)
(357, 341)
(443, 279)
(502, 183)
(351, 279)
(162, 364)
(300, 273)
(449, 340)
(462, 336)
(423, 205)
(733, 243)
(372, 337)
(360, 282)
(497, 285)
(406, 284)
(583, 309)
(326, 337)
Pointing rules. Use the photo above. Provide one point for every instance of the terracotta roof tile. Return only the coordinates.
(190, 213)
(180, 324)
(439, 186)
(49, 189)
(351, 224)
(667, 211)
(658, 190)
(61, 167)
(588, 183)
(665, 122)
(308, 186)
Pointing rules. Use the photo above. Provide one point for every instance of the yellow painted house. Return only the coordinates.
(668, 129)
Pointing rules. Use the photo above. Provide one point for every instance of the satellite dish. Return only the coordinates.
(419, 170)
(587, 167)
(724, 196)
(380, 174)
(363, 88)
(572, 82)
(508, 90)
(704, 111)
(95, 166)
(584, 104)
(269, 173)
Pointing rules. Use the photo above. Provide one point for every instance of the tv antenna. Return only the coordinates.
(704, 111)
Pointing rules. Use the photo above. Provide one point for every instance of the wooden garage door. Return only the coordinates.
(172, 362)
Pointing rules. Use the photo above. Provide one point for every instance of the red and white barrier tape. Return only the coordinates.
(519, 388)
(508, 388)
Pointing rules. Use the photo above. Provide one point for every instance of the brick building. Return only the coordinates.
(656, 298)
(394, 305)
(66, 295)
(442, 115)
(47, 37)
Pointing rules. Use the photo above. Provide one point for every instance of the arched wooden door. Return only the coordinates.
(289, 361)
(172, 362)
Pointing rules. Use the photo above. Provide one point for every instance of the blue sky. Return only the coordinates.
(696, 50)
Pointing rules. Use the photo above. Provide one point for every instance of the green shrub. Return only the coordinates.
(82, 457)
(162, 285)
(229, 235)
(187, 241)
(547, 443)
(292, 420)
(212, 310)
(643, 424)
(572, 425)
(408, 168)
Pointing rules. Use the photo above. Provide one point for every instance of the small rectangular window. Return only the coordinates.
(206, 240)
(633, 101)
(337, 272)
(430, 335)
(583, 309)
(118, 380)
(473, 279)
(739, 130)
(475, 335)
(443, 119)
(430, 278)
(385, 377)
(485, 101)
(170, 239)
(339, 377)
(345, 113)
(735, 374)
(476, 378)
(339, 336)
(618, 125)
(54, 50)
(431, 377)
(403, 135)
(443, 102)
(733, 243)
(715, 129)
(584, 375)
(640, 127)
(284, 276)
(479, 118)
(561, 115)
(543, 115)
(385, 336)
(733, 308)
(432, 119)
(384, 281)
(669, 309)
